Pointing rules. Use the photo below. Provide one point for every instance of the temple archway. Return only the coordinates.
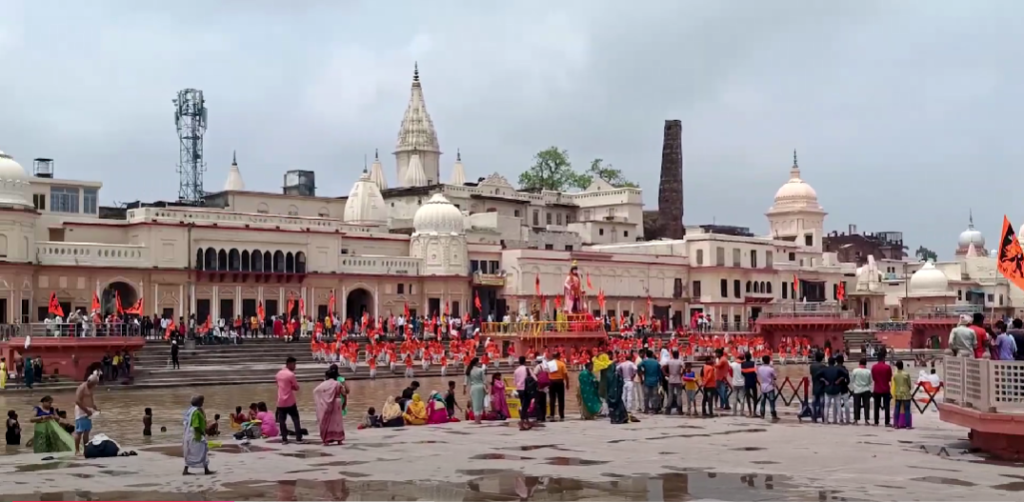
(358, 301)
(127, 293)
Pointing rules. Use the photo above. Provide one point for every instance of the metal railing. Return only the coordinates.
(538, 327)
(890, 326)
(42, 329)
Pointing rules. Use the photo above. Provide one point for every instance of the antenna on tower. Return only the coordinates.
(190, 120)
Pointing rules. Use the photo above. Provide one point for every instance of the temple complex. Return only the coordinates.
(433, 235)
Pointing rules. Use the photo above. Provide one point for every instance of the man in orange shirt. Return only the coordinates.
(978, 327)
(723, 372)
(559, 384)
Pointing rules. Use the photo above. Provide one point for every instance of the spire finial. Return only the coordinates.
(416, 72)
(364, 162)
(376, 155)
(458, 155)
(795, 164)
(234, 157)
(970, 217)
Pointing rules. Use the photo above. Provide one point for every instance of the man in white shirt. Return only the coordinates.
(737, 382)
(627, 370)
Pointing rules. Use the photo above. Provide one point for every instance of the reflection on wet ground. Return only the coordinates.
(944, 481)
(498, 456)
(176, 451)
(486, 485)
(573, 461)
(306, 454)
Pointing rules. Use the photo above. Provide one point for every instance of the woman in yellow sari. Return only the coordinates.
(416, 411)
(3, 373)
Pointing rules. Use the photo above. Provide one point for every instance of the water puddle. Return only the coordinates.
(748, 448)
(763, 462)
(1016, 486)
(111, 472)
(306, 454)
(349, 474)
(176, 451)
(49, 466)
(537, 447)
(342, 463)
(481, 472)
(498, 456)
(944, 481)
(573, 461)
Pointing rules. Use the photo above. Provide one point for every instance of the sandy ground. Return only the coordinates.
(661, 458)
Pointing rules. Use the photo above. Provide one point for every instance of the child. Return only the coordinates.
(690, 386)
(449, 399)
(213, 429)
(371, 419)
(147, 422)
(253, 411)
(237, 419)
(13, 429)
(268, 424)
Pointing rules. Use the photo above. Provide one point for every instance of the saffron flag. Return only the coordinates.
(841, 291)
(330, 305)
(54, 307)
(117, 304)
(290, 307)
(589, 284)
(95, 303)
(405, 309)
(302, 307)
(600, 299)
(796, 287)
(1011, 257)
(476, 301)
(136, 309)
(536, 284)
(260, 312)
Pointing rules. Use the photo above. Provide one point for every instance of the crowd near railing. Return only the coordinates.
(983, 384)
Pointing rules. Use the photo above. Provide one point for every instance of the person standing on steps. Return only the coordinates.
(174, 355)
(287, 387)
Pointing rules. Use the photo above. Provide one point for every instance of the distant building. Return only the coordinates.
(854, 247)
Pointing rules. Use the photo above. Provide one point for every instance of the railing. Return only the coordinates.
(40, 329)
(539, 327)
(8, 331)
(984, 384)
(823, 314)
(717, 326)
(380, 265)
(87, 253)
(889, 326)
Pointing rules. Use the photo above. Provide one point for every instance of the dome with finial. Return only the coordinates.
(458, 172)
(377, 172)
(234, 182)
(365, 204)
(929, 281)
(438, 216)
(14, 183)
(971, 236)
(796, 193)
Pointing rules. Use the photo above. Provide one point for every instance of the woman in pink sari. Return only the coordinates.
(437, 412)
(328, 407)
(498, 403)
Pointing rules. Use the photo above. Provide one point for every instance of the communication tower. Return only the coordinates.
(190, 120)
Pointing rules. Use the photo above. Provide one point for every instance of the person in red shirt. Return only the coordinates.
(978, 327)
(723, 372)
(881, 375)
(287, 387)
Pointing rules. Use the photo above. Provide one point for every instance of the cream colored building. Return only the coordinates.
(429, 239)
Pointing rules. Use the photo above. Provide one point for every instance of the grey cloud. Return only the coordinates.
(903, 112)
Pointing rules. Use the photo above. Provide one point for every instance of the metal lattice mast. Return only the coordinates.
(190, 120)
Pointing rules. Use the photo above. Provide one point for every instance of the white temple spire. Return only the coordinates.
(417, 135)
(377, 172)
(234, 181)
(414, 176)
(458, 172)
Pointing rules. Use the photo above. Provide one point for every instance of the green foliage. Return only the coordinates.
(925, 254)
(552, 170)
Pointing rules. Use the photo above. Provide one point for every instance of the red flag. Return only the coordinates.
(589, 285)
(117, 304)
(600, 298)
(558, 303)
(1010, 260)
(476, 301)
(171, 327)
(841, 292)
(95, 303)
(260, 312)
(55, 307)
(290, 306)
(796, 287)
(536, 284)
(330, 305)
(405, 310)
(302, 307)
(136, 309)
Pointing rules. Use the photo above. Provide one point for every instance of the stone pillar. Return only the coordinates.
(215, 305)
(181, 301)
(670, 190)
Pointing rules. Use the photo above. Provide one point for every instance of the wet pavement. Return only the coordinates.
(729, 459)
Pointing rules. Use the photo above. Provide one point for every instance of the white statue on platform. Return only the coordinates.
(869, 279)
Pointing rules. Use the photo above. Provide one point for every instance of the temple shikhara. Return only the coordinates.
(419, 232)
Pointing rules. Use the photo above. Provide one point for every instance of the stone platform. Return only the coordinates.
(662, 458)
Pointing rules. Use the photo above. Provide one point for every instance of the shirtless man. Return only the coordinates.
(85, 406)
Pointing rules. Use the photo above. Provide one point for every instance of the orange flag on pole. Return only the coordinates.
(260, 312)
(796, 287)
(1011, 257)
(54, 307)
(117, 304)
(95, 303)
(136, 309)
(330, 305)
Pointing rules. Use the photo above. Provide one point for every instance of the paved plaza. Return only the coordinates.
(667, 458)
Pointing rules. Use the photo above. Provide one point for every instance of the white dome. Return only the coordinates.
(929, 281)
(13, 182)
(365, 204)
(971, 236)
(796, 194)
(438, 216)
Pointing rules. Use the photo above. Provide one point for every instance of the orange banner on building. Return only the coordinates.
(1011, 258)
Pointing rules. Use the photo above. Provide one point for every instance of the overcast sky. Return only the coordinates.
(905, 113)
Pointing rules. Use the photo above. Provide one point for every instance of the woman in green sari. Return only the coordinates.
(48, 436)
(590, 403)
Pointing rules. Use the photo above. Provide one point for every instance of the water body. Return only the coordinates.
(122, 409)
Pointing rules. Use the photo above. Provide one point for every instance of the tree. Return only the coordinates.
(551, 170)
(925, 254)
(606, 172)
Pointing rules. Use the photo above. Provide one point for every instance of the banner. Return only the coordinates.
(1010, 255)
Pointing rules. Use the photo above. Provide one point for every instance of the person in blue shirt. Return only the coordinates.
(650, 370)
